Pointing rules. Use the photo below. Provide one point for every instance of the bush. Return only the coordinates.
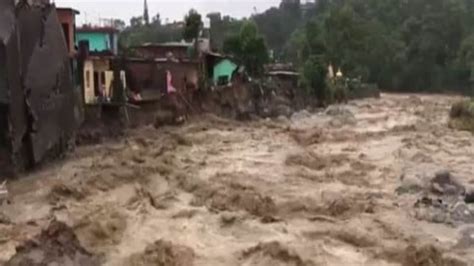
(314, 79)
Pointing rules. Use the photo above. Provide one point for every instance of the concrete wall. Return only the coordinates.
(98, 41)
(89, 94)
(67, 16)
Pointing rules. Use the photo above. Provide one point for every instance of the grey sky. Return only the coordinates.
(92, 10)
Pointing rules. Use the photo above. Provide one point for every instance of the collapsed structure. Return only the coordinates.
(40, 108)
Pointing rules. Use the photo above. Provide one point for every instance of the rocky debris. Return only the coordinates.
(163, 253)
(437, 210)
(444, 199)
(469, 196)
(273, 254)
(56, 245)
(461, 212)
(445, 184)
(432, 210)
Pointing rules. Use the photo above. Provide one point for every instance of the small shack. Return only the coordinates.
(149, 77)
(176, 50)
(287, 79)
(98, 78)
(223, 70)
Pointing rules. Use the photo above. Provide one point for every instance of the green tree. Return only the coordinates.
(193, 25)
(249, 48)
(136, 22)
(314, 79)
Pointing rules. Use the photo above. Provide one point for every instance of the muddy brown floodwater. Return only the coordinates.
(375, 182)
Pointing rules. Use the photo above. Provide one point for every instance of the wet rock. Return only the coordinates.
(462, 213)
(432, 210)
(469, 195)
(56, 245)
(445, 184)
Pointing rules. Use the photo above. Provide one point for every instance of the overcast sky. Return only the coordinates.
(93, 10)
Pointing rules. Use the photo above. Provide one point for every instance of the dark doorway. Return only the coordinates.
(96, 84)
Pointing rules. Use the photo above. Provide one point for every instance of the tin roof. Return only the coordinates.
(167, 44)
(283, 73)
(87, 29)
(76, 12)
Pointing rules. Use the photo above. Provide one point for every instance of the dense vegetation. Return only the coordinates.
(415, 45)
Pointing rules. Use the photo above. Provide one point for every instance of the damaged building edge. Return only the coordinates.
(40, 111)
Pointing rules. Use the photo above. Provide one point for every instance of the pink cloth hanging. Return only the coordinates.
(169, 79)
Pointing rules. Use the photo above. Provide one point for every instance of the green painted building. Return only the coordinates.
(223, 72)
(99, 39)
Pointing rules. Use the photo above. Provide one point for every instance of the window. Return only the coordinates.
(96, 83)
